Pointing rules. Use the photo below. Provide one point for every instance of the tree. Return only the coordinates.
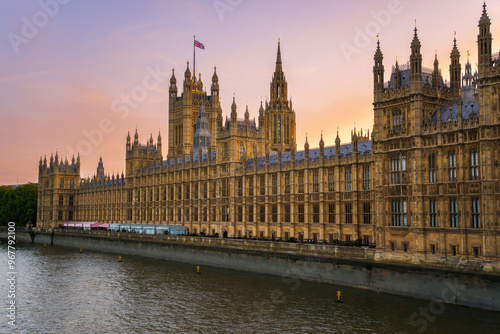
(18, 204)
(6, 195)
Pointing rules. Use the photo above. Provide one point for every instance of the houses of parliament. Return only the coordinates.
(423, 186)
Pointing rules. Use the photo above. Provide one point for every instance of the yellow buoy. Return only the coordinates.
(119, 259)
(198, 270)
(45, 245)
(81, 250)
(338, 296)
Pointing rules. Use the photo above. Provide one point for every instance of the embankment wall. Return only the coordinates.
(348, 266)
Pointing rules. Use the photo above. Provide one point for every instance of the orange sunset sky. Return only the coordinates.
(64, 64)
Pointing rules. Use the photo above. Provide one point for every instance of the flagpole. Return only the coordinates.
(194, 55)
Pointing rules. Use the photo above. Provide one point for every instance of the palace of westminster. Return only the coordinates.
(423, 186)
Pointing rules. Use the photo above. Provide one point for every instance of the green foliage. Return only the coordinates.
(18, 205)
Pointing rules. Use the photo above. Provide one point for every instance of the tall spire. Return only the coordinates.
(279, 116)
(261, 117)
(279, 84)
(128, 141)
(416, 63)
(378, 69)
(435, 74)
(454, 51)
(415, 43)
(233, 105)
(234, 116)
(100, 169)
(215, 89)
(455, 68)
(279, 67)
(378, 52)
(484, 17)
(337, 144)
(158, 143)
(247, 114)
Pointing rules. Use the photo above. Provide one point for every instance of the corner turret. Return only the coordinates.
(484, 44)
(378, 71)
(416, 64)
(173, 87)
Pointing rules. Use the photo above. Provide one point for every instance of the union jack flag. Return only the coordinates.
(199, 45)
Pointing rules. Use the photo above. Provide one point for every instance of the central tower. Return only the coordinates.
(183, 112)
(280, 117)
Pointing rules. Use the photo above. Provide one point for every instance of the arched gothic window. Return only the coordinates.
(242, 151)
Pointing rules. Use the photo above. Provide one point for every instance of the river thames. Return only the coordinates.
(60, 290)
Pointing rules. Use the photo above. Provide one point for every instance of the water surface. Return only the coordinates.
(60, 290)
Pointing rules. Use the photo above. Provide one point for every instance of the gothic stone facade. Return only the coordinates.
(424, 187)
